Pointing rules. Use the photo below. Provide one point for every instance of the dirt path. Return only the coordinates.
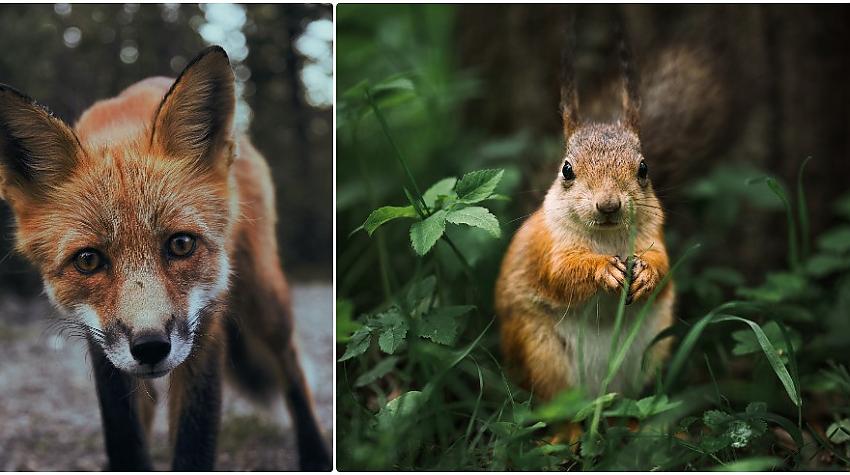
(48, 409)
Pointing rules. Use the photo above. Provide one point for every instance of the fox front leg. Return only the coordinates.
(195, 410)
(124, 438)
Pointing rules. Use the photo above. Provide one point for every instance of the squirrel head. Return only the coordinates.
(603, 183)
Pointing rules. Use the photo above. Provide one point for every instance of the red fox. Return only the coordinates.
(152, 224)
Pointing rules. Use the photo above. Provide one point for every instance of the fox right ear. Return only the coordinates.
(195, 118)
(37, 149)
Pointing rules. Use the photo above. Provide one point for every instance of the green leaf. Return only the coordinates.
(379, 371)
(418, 297)
(756, 408)
(400, 410)
(715, 419)
(424, 234)
(773, 357)
(358, 344)
(393, 330)
(441, 325)
(752, 464)
(565, 405)
(778, 287)
(345, 325)
(587, 411)
(839, 432)
(836, 240)
(478, 185)
(747, 343)
(476, 216)
(740, 434)
(821, 265)
(385, 214)
(650, 406)
(443, 187)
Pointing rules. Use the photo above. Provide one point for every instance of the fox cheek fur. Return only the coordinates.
(139, 220)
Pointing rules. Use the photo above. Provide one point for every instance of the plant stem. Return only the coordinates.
(386, 130)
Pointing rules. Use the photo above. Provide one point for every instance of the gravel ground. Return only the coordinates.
(49, 418)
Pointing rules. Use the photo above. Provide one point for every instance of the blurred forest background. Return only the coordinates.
(67, 56)
(428, 92)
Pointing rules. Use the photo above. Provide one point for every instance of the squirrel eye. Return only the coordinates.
(643, 170)
(181, 245)
(567, 171)
(88, 261)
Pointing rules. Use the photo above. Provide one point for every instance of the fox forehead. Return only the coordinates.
(121, 199)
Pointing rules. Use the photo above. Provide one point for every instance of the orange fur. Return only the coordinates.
(561, 263)
(157, 161)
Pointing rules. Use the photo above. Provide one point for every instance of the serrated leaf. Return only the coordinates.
(401, 409)
(419, 295)
(740, 434)
(358, 344)
(476, 216)
(443, 187)
(385, 214)
(441, 324)
(478, 185)
(424, 234)
(836, 240)
(687, 422)
(379, 371)
(715, 419)
(393, 330)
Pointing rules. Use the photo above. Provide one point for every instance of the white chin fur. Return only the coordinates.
(120, 357)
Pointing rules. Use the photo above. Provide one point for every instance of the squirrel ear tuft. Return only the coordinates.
(195, 118)
(631, 112)
(569, 93)
(37, 150)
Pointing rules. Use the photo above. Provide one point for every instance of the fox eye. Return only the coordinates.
(643, 171)
(88, 261)
(568, 172)
(181, 245)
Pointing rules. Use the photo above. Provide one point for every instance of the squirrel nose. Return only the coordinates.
(608, 205)
(150, 348)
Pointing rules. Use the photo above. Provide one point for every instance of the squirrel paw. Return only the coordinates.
(612, 275)
(644, 280)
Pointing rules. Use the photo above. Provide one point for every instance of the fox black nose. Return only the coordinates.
(608, 205)
(150, 348)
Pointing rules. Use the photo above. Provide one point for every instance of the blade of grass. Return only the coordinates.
(803, 212)
(397, 151)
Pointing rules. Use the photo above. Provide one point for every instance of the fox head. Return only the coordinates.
(128, 220)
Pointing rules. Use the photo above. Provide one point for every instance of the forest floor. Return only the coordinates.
(49, 418)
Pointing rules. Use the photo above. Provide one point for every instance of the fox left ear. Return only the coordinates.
(195, 118)
(37, 150)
